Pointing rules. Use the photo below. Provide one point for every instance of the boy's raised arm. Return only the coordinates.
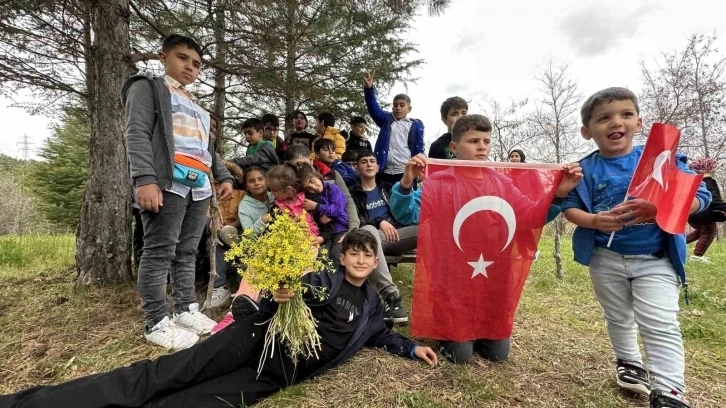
(374, 109)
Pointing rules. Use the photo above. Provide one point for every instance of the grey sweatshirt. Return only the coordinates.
(149, 133)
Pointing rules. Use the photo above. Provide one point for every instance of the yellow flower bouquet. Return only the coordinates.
(278, 259)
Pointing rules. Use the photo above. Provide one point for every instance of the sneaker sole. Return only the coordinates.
(636, 388)
(220, 304)
(400, 320)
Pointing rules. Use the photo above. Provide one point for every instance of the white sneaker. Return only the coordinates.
(194, 320)
(220, 296)
(702, 259)
(168, 335)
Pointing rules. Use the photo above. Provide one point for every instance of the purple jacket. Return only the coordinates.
(332, 204)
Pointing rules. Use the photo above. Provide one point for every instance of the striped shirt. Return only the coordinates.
(190, 123)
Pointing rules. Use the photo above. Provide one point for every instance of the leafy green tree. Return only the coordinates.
(59, 181)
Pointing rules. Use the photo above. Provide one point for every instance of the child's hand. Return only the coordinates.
(426, 354)
(324, 219)
(149, 197)
(389, 231)
(309, 205)
(414, 169)
(368, 79)
(224, 191)
(573, 175)
(606, 221)
(634, 212)
(282, 295)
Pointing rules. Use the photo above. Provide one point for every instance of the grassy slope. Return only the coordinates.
(51, 331)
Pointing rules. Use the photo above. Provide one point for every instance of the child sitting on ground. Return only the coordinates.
(326, 202)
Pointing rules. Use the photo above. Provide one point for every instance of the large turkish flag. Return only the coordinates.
(479, 226)
(659, 180)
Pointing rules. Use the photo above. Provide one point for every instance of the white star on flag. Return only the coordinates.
(480, 266)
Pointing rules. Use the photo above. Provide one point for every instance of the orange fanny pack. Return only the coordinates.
(191, 162)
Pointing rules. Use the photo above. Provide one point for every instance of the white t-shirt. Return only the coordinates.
(398, 151)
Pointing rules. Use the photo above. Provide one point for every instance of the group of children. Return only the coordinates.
(361, 206)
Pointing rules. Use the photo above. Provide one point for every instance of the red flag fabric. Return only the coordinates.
(478, 230)
(659, 180)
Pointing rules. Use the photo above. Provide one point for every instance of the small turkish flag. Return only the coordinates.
(479, 227)
(658, 179)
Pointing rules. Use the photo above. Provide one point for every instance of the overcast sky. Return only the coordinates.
(493, 48)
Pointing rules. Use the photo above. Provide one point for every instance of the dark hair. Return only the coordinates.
(322, 143)
(327, 118)
(453, 103)
(349, 156)
(521, 154)
(283, 176)
(306, 172)
(359, 240)
(249, 170)
(470, 122)
(299, 112)
(212, 115)
(356, 120)
(362, 155)
(606, 96)
(297, 150)
(402, 96)
(270, 118)
(174, 40)
(252, 123)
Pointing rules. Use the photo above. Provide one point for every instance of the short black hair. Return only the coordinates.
(174, 40)
(606, 96)
(470, 122)
(402, 96)
(297, 150)
(362, 155)
(360, 240)
(270, 118)
(452, 103)
(252, 123)
(349, 156)
(355, 120)
(327, 118)
(322, 143)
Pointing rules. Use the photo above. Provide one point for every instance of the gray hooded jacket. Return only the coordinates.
(149, 133)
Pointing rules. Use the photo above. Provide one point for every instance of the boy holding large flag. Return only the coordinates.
(470, 270)
(636, 276)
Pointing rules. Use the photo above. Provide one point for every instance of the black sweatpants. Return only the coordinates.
(219, 372)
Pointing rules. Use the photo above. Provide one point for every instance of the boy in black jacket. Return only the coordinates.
(222, 371)
(451, 110)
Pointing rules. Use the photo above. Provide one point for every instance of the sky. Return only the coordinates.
(494, 48)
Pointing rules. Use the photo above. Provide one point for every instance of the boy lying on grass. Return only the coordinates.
(222, 371)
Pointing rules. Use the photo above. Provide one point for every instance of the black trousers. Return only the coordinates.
(219, 372)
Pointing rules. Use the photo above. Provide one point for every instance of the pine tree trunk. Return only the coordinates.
(559, 229)
(103, 248)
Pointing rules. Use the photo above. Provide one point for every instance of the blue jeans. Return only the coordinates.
(639, 293)
(171, 238)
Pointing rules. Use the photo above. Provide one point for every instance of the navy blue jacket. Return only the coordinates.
(384, 120)
(371, 330)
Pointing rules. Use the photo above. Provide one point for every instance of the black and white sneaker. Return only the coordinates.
(633, 376)
(664, 399)
(243, 306)
(392, 309)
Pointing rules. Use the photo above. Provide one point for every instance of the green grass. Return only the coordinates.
(560, 356)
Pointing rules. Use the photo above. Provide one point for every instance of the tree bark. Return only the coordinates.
(103, 248)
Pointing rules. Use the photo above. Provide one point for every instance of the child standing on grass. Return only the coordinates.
(636, 278)
(171, 156)
(400, 138)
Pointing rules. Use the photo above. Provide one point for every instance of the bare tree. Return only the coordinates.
(687, 88)
(508, 127)
(554, 127)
